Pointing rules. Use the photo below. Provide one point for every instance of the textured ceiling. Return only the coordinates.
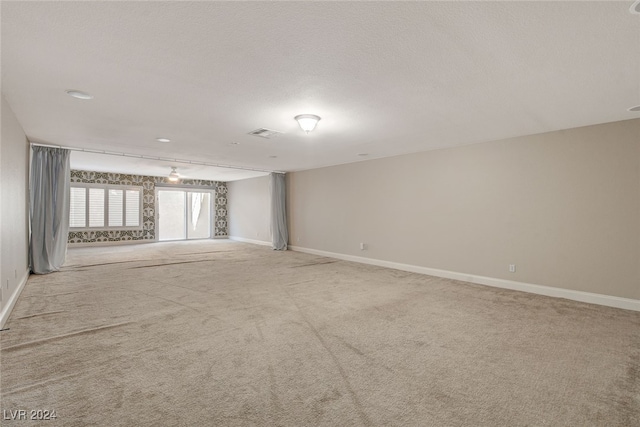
(387, 78)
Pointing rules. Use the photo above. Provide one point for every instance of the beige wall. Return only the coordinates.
(563, 206)
(14, 166)
(250, 209)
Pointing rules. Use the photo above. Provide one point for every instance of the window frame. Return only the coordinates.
(105, 189)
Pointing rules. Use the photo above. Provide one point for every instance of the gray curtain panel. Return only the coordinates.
(49, 208)
(279, 232)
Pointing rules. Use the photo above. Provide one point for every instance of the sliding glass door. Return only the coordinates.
(198, 215)
(184, 214)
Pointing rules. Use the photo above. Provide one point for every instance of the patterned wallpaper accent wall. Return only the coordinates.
(148, 184)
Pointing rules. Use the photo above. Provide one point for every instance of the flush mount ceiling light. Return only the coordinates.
(634, 109)
(635, 7)
(163, 140)
(173, 176)
(78, 94)
(307, 122)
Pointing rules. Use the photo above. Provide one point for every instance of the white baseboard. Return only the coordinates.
(110, 243)
(11, 302)
(588, 297)
(136, 242)
(255, 242)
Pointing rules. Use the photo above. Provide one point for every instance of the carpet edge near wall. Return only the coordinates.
(550, 291)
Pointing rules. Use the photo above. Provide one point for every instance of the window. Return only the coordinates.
(105, 206)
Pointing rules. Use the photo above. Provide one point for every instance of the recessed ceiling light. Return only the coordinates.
(163, 140)
(634, 109)
(78, 94)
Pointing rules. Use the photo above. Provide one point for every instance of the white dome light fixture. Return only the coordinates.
(173, 176)
(307, 122)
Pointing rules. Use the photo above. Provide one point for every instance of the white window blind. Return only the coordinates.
(105, 206)
(96, 207)
(78, 212)
(116, 208)
(133, 208)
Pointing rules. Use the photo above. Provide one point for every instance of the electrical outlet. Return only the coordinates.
(512, 268)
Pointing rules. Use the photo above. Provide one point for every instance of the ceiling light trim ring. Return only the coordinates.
(78, 94)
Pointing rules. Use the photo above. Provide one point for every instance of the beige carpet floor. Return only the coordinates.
(219, 333)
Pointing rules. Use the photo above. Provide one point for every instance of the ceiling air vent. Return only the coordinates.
(265, 133)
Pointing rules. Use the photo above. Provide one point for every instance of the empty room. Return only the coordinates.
(238, 213)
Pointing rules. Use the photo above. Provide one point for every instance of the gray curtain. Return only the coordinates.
(279, 232)
(49, 208)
